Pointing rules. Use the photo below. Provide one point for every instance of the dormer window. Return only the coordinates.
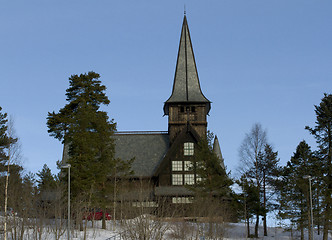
(188, 149)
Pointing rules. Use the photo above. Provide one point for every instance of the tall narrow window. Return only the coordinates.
(188, 149)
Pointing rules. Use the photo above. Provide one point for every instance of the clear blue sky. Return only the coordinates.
(258, 61)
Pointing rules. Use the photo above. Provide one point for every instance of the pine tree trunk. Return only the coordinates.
(256, 226)
(328, 197)
(309, 221)
(302, 232)
(248, 228)
(326, 222)
(246, 217)
(301, 225)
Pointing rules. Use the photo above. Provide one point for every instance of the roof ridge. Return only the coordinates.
(140, 132)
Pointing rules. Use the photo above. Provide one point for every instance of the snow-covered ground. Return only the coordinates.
(232, 231)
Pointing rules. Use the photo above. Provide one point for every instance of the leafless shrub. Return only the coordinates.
(141, 211)
(205, 217)
(182, 229)
(144, 227)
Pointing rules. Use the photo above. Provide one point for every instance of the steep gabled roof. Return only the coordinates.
(147, 148)
(186, 86)
(175, 146)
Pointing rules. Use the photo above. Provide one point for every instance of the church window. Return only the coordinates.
(145, 204)
(176, 165)
(193, 109)
(188, 165)
(182, 200)
(188, 149)
(189, 179)
(177, 179)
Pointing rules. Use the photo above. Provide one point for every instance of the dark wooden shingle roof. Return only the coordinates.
(148, 149)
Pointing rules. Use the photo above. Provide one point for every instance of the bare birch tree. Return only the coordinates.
(12, 154)
(252, 145)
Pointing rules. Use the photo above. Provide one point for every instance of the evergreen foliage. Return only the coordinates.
(323, 134)
(257, 184)
(294, 189)
(249, 199)
(214, 178)
(267, 165)
(4, 139)
(86, 131)
(213, 196)
(46, 180)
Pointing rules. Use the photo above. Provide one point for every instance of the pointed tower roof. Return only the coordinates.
(217, 151)
(186, 86)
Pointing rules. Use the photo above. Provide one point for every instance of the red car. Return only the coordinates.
(98, 215)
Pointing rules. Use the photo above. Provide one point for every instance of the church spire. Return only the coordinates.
(217, 151)
(186, 86)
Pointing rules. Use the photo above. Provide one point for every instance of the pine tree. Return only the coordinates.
(294, 189)
(4, 139)
(323, 134)
(86, 131)
(214, 178)
(268, 168)
(46, 180)
(318, 189)
(249, 199)
(212, 189)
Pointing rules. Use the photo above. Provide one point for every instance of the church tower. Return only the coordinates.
(187, 105)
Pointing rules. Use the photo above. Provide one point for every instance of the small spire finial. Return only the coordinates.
(185, 9)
